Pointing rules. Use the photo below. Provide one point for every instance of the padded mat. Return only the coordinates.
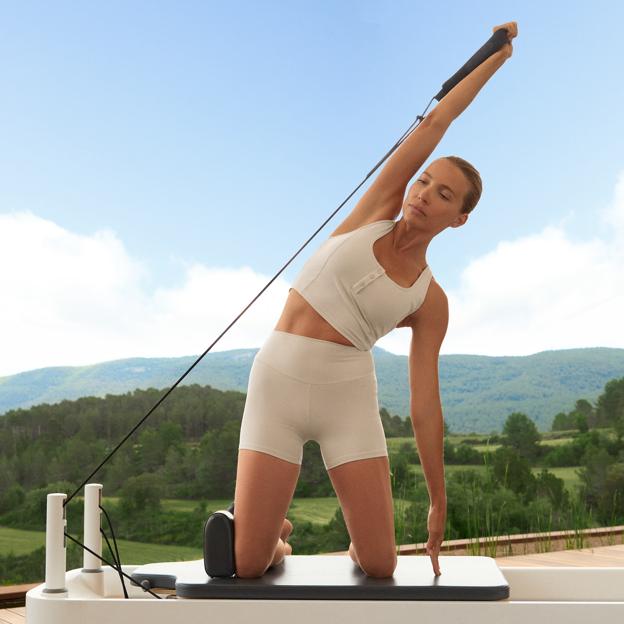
(337, 577)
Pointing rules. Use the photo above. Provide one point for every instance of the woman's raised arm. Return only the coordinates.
(414, 151)
(458, 98)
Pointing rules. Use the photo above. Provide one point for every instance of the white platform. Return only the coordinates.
(569, 595)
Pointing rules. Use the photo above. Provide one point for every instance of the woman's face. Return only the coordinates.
(435, 200)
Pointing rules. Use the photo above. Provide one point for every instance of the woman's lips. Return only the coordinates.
(417, 209)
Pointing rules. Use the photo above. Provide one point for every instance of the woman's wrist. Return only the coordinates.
(500, 56)
(504, 52)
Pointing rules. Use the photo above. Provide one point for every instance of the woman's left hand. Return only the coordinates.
(436, 523)
(512, 31)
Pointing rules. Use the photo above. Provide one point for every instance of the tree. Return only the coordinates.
(12, 497)
(611, 405)
(552, 487)
(513, 471)
(464, 454)
(612, 502)
(596, 461)
(154, 444)
(583, 406)
(581, 422)
(522, 435)
(218, 453)
(141, 495)
(400, 474)
(560, 422)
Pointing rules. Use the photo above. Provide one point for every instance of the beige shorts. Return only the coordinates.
(304, 389)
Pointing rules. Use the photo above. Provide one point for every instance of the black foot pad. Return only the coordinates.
(219, 544)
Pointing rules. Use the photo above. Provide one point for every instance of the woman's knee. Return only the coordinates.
(250, 567)
(375, 563)
(255, 567)
(249, 572)
(379, 568)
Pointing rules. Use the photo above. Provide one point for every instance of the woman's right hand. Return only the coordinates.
(512, 31)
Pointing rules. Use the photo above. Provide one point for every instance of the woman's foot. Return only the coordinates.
(287, 528)
(283, 548)
(352, 554)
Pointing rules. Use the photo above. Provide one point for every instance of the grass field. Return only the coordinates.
(571, 480)
(21, 542)
(486, 447)
(555, 442)
(548, 439)
(315, 510)
(567, 473)
(395, 443)
(178, 504)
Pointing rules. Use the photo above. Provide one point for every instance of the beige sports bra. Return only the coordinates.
(346, 285)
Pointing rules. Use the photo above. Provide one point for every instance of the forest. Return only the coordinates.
(496, 483)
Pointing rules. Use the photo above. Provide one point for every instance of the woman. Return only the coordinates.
(314, 378)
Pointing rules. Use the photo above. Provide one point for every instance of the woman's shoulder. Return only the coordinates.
(433, 310)
(435, 305)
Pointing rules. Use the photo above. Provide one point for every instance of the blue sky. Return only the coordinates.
(161, 161)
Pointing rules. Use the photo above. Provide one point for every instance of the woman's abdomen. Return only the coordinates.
(299, 317)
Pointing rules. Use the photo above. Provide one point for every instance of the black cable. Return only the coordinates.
(110, 526)
(117, 563)
(73, 539)
(419, 119)
(115, 553)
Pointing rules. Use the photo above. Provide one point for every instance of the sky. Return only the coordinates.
(160, 162)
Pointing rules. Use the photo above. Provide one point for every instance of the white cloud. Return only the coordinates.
(72, 299)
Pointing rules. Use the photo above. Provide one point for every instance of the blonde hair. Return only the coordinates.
(473, 195)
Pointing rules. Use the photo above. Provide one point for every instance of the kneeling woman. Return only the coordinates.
(314, 377)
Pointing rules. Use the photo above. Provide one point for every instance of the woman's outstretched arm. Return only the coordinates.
(457, 99)
(414, 151)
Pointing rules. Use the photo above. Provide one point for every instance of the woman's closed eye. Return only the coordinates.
(443, 196)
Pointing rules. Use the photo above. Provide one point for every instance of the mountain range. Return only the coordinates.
(478, 392)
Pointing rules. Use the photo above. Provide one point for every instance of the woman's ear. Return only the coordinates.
(460, 220)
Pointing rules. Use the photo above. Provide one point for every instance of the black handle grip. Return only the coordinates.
(492, 45)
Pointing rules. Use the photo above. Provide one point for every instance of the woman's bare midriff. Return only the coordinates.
(299, 317)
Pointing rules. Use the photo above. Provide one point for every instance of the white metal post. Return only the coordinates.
(92, 523)
(56, 559)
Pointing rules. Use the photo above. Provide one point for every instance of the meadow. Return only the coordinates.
(21, 542)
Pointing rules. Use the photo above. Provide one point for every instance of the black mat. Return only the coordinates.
(336, 577)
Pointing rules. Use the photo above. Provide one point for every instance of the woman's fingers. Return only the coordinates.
(436, 523)
(512, 31)
(433, 550)
(510, 27)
